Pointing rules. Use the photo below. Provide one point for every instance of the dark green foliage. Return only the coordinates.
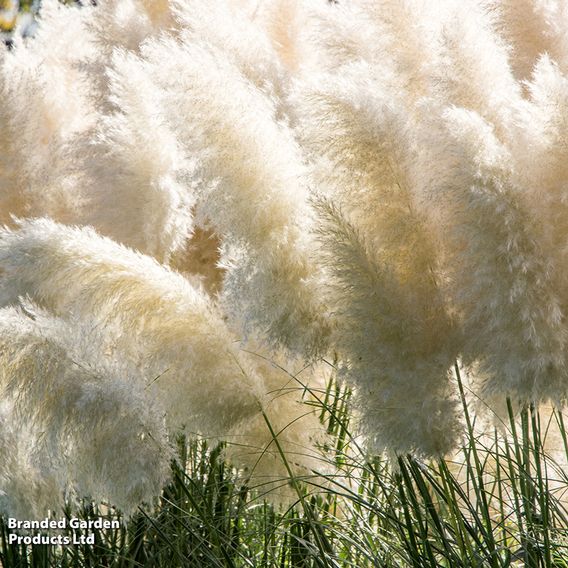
(496, 508)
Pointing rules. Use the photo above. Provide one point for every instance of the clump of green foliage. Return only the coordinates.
(493, 505)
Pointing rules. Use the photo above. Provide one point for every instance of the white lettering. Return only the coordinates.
(76, 523)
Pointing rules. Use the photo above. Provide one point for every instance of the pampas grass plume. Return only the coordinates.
(101, 435)
(169, 330)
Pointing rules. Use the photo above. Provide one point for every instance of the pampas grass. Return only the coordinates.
(509, 272)
(77, 421)
(167, 329)
(394, 332)
(251, 191)
(375, 188)
(132, 161)
(42, 105)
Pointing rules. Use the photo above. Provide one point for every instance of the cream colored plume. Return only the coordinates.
(534, 28)
(153, 319)
(252, 191)
(133, 171)
(394, 334)
(121, 25)
(29, 482)
(154, 316)
(503, 281)
(42, 106)
(100, 434)
(238, 36)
